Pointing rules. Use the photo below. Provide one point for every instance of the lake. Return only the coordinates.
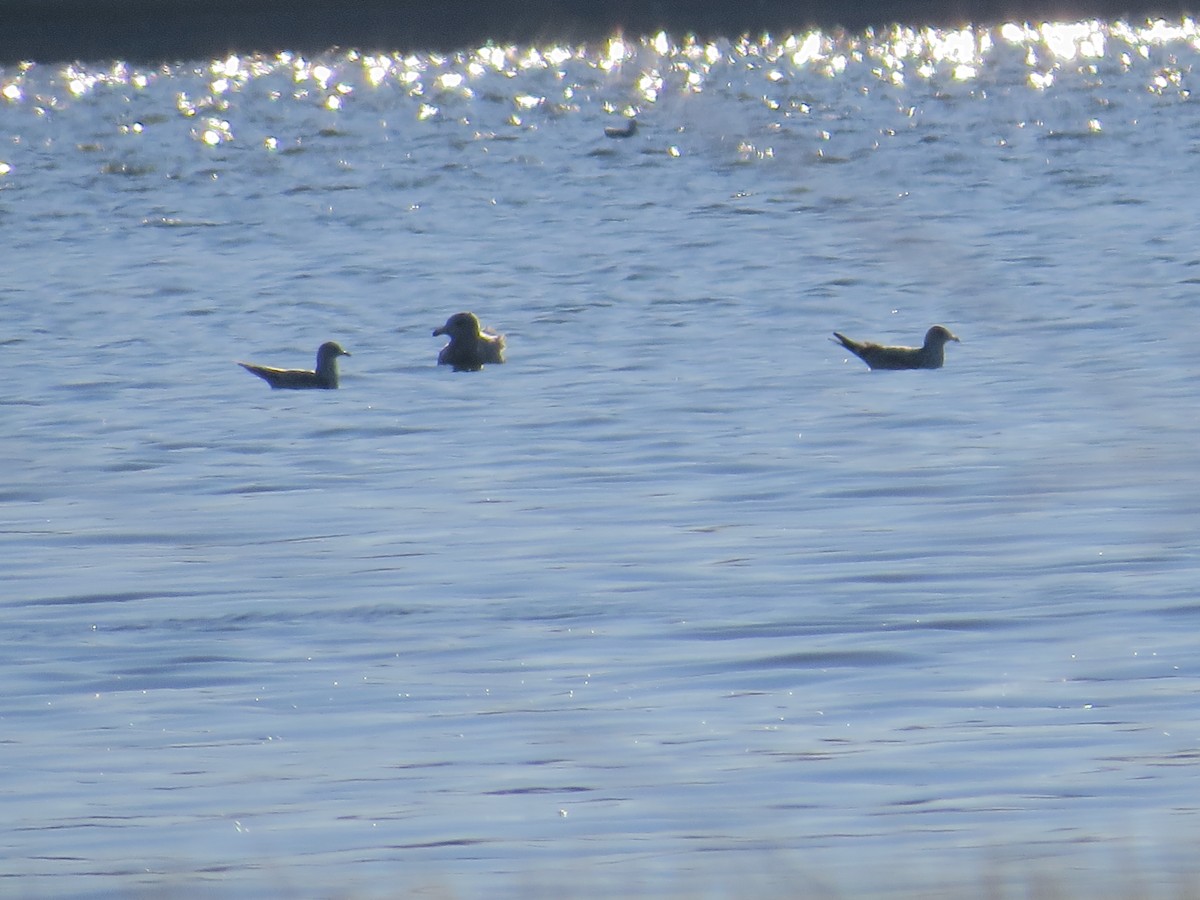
(682, 600)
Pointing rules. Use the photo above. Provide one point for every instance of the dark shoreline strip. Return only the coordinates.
(174, 30)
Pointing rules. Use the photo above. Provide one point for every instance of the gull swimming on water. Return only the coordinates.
(470, 346)
(629, 129)
(877, 356)
(325, 376)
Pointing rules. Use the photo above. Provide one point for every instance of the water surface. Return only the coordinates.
(681, 600)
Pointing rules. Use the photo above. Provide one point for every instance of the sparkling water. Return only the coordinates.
(680, 601)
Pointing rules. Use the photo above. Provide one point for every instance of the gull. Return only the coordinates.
(470, 346)
(325, 376)
(877, 356)
(629, 129)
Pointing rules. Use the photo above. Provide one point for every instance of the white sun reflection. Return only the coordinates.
(614, 55)
(654, 77)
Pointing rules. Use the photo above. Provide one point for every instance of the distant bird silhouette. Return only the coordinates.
(877, 356)
(470, 346)
(629, 129)
(325, 377)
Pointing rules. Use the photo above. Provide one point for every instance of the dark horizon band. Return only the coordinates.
(48, 31)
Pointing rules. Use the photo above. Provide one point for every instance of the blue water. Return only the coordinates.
(681, 600)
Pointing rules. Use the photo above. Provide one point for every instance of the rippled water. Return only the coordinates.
(680, 601)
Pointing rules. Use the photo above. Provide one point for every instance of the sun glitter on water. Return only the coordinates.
(626, 74)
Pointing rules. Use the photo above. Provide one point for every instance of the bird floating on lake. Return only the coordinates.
(325, 377)
(629, 129)
(877, 356)
(470, 345)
